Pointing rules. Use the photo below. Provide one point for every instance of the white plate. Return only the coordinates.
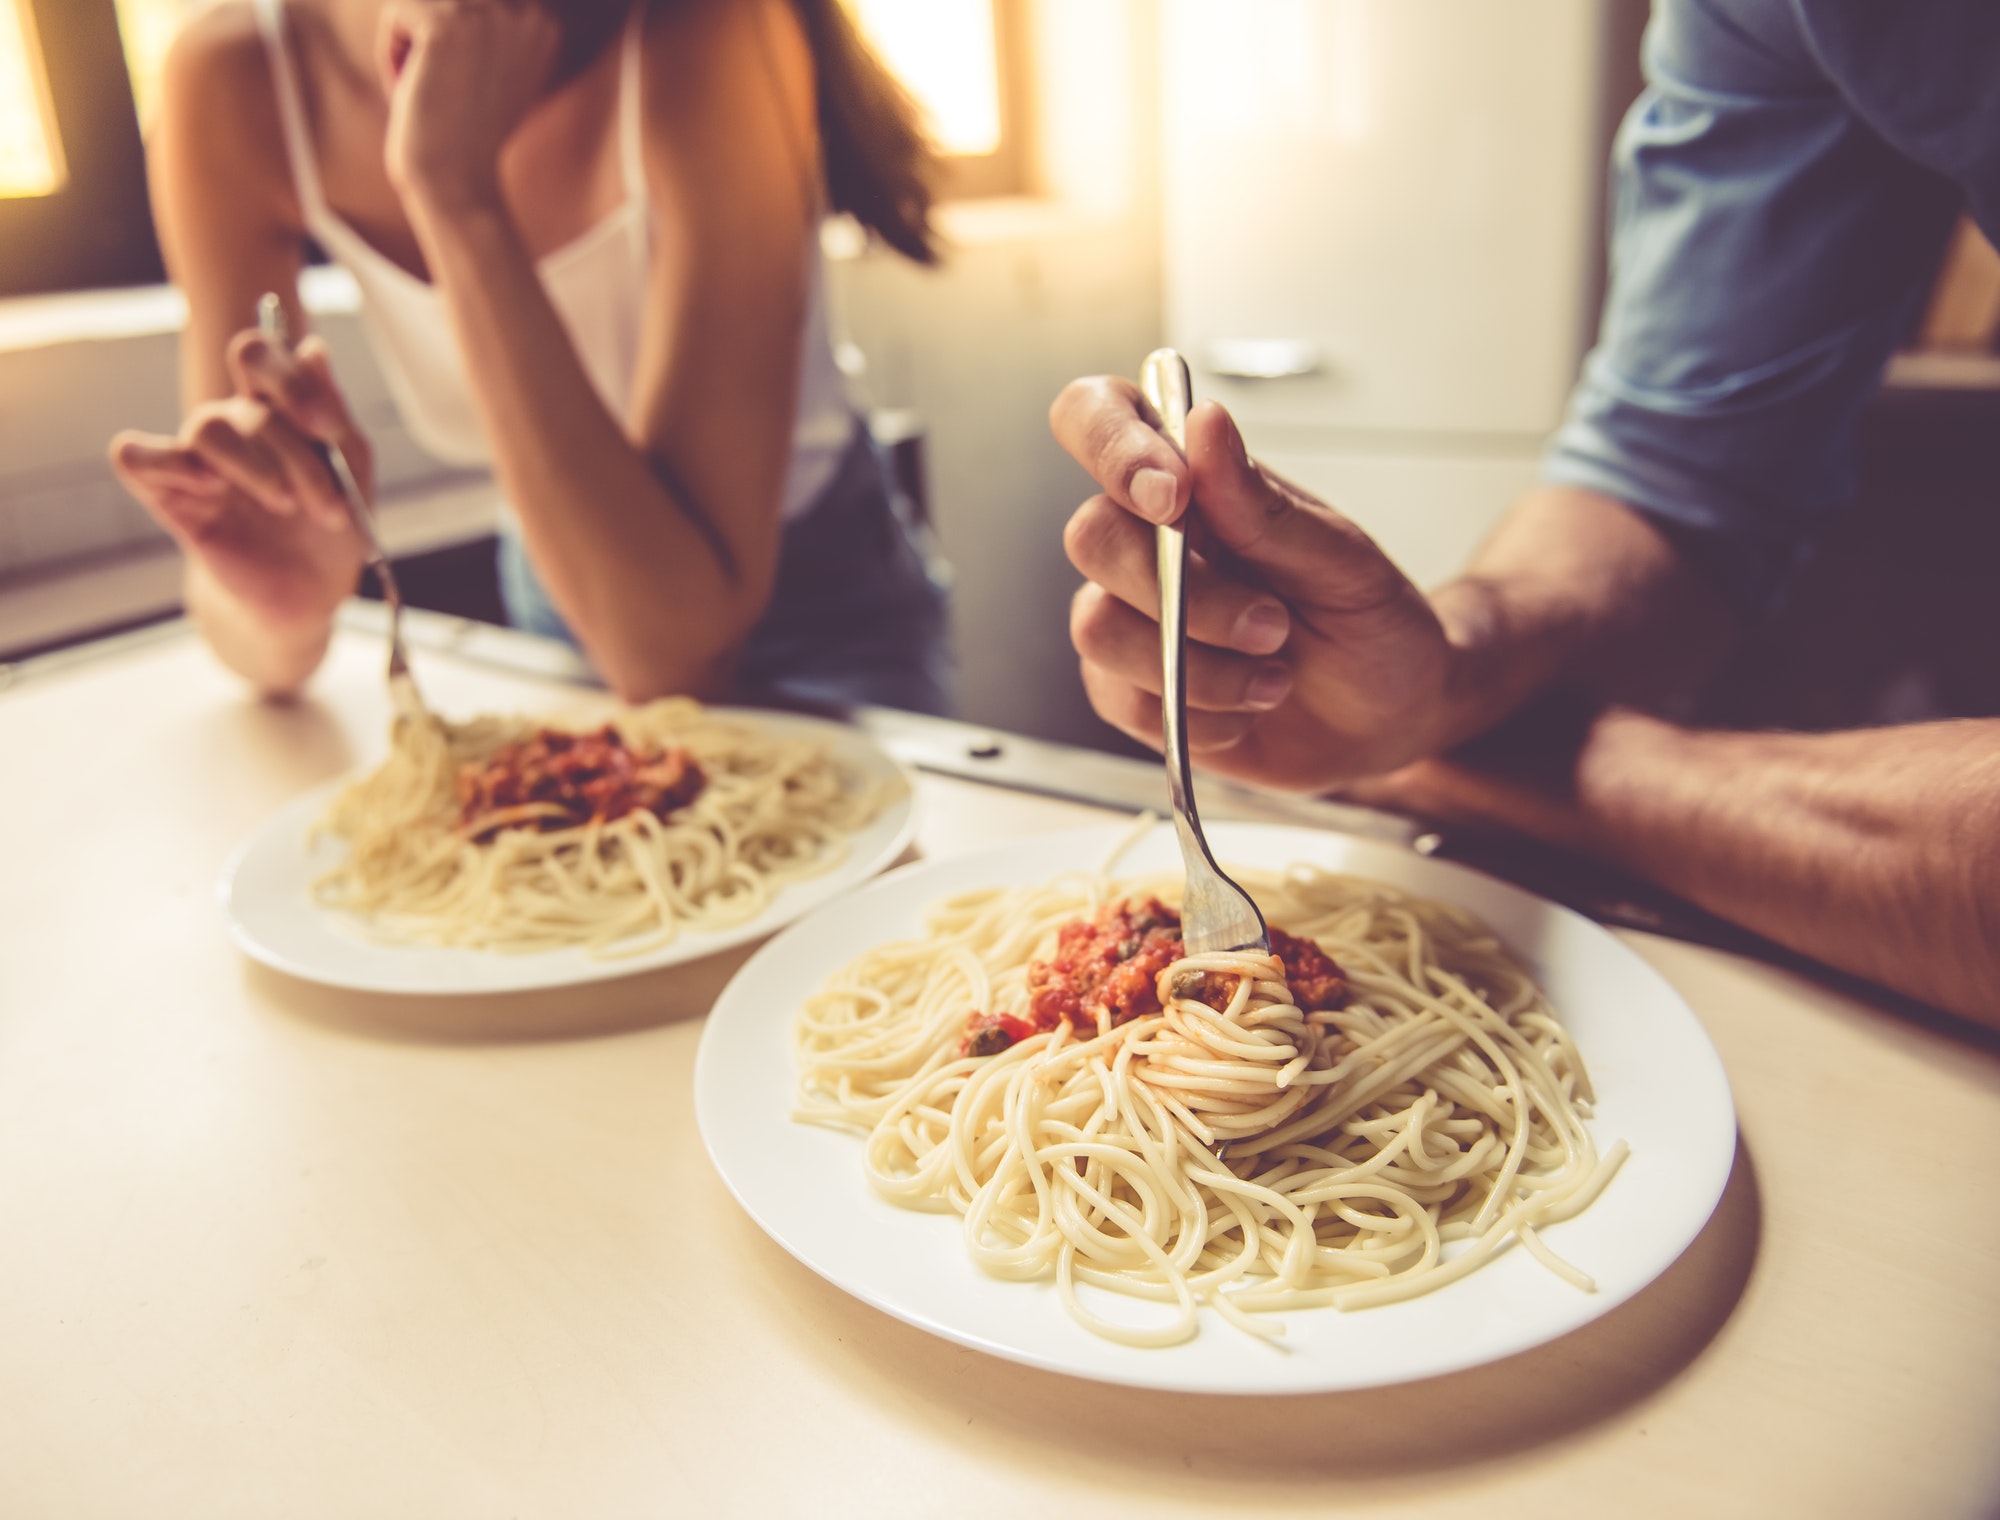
(267, 894)
(1660, 1085)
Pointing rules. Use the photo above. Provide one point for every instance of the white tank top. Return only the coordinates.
(597, 284)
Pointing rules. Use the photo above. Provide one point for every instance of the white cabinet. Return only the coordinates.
(1388, 208)
(1428, 511)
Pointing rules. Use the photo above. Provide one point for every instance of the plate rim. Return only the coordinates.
(298, 812)
(1712, 1186)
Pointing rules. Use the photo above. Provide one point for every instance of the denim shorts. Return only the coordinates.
(857, 613)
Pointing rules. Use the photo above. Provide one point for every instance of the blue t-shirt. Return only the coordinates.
(1783, 192)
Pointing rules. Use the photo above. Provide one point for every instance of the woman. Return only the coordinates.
(586, 232)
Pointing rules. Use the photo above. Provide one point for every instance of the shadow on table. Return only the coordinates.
(1485, 1414)
(617, 1006)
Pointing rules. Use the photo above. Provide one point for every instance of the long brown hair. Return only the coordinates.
(878, 163)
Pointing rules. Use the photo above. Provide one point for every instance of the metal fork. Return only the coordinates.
(402, 684)
(1216, 914)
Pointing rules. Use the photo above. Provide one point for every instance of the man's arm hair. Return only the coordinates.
(1875, 851)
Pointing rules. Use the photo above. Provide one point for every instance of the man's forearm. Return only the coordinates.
(1577, 589)
(1876, 851)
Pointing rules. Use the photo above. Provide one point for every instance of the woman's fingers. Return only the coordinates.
(153, 460)
(1116, 550)
(170, 481)
(1114, 638)
(1110, 430)
(235, 439)
(297, 383)
(266, 369)
(297, 386)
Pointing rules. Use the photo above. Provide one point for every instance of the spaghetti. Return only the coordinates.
(1369, 1114)
(503, 834)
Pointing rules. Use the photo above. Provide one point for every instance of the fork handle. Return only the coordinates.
(1169, 390)
(272, 324)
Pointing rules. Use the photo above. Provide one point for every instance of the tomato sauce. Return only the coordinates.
(554, 779)
(1109, 965)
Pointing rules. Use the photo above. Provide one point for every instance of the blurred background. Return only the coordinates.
(1374, 226)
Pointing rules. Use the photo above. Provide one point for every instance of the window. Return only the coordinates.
(965, 62)
(31, 160)
(73, 208)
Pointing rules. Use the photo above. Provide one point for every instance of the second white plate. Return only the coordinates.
(266, 893)
(1660, 1084)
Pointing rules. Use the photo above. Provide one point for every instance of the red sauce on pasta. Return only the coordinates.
(1109, 965)
(554, 779)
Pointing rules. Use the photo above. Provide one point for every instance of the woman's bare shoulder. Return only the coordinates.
(218, 103)
(221, 49)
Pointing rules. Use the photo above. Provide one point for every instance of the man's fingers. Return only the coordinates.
(1111, 636)
(1309, 553)
(1137, 713)
(1107, 428)
(1117, 551)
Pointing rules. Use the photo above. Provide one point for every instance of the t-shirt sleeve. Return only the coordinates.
(1768, 252)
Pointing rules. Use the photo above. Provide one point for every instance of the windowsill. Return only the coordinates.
(987, 221)
(73, 601)
(141, 311)
(1017, 218)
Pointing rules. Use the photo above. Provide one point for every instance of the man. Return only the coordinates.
(1784, 188)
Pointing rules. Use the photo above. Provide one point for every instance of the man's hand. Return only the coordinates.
(1312, 658)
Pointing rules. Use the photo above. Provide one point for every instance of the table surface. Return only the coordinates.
(267, 1248)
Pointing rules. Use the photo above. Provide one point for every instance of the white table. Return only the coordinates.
(268, 1249)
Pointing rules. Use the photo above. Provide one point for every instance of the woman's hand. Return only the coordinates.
(460, 75)
(244, 492)
(1312, 659)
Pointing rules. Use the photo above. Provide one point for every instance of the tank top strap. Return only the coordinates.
(291, 110)
(632, 107)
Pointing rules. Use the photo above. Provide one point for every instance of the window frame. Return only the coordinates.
(96, 230)
(1008, 169)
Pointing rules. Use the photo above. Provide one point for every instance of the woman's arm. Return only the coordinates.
(1875, 851)
(656, 534)
(269, 552)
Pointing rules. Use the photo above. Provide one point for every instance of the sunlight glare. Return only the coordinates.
(946, 55)
(31, 159)
(148, 28)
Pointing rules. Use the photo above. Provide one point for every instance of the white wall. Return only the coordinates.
(1400, 197)
(74, 369)
(1035, 292)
